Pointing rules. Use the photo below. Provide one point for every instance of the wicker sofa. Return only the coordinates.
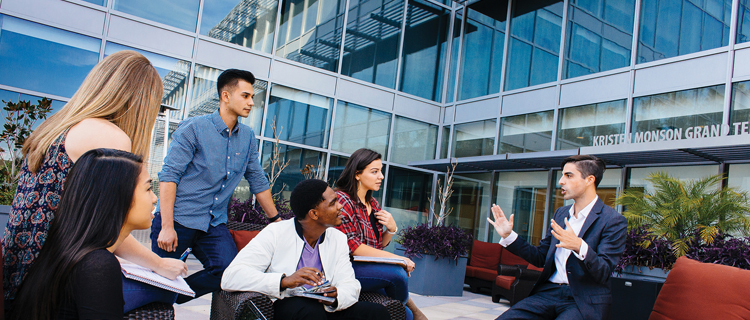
(239, 305)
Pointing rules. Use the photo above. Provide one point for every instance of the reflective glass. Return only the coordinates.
(205, 99)
(407, 196)
(743, 22)
(534, 46)
(444, 142)
(173, 72)
(335, 167)
(474, 138)
(99, 2)
(482, 57)
(470, 202)
(310, 32)
(181, 14)
(739, 176)
(740, 111)
(607, 190)
(685, 173)
(523, 194)
(526, 133)
(249, 23)
(373, 32)
(676, 27)
(413, 141)
(298, 159)
(10, 96)
(158, 151)
(455, 50)
(694, 113)
(425, 44)
(586, 125)
(599, 36)
(44, 59)
(360, 127)
(298, 116)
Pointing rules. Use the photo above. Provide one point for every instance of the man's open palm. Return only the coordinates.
(503, 226)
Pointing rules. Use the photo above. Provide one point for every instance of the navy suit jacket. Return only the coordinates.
(604, 231)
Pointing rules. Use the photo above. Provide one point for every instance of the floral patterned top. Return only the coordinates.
(33, 209)
(359, 227)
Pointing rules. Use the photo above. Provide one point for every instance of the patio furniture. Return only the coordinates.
(239, 305)
(485, 263)
(151, 311)
(514, 282)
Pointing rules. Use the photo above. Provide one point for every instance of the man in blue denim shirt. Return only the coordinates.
(206, 160)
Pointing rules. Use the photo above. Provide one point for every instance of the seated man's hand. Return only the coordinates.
(329, 292)
(306, 275)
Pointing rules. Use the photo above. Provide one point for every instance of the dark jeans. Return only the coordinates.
(309, 309)
(137, 294)
(214, 248)
(387, 279)
(551, 301)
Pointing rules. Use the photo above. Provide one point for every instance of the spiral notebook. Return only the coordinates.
(145, 275)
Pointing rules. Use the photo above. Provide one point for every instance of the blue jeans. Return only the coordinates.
(214, 248)
(387, 279)
(137, 294)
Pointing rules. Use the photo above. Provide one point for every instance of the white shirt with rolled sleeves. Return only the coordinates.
(276, 250)
(562, 254)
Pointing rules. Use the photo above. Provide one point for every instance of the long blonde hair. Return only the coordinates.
(124, 88)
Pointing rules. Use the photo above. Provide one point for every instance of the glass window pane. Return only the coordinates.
(373, 32)
(481, 60)
(249, 23)
(425, 44)
(444, 142)
(678, 27)
(470, 202)
(407, 197)
(205, 99)
(335, 167)
(10, 96)
(526, 133)
(454, 57)
(99, 2)
(739, 176)
(413, 141)
(591, 124)
(687, 114)
(474, 138)
(535, 44)
(298, 159)
(607, 190)
(360, 127)
(181, 14)
(310, 32)
(159, 151)
(298, 116)
(44, 59)
(599, 36)
(173, 72)
(638, 175)
(523, 194)
(740, 111)
(743, 22)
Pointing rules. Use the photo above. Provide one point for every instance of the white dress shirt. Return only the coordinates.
(562, 254)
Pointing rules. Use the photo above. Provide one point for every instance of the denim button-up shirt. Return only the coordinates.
(207, 163)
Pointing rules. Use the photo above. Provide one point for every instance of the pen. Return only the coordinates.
(185, 254)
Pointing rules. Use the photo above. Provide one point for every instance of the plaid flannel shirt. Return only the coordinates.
(355, 223)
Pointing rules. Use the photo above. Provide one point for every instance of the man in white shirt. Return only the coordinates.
(303, 251)
(572, 286)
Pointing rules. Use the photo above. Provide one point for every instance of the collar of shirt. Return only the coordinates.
(298, 228)
(221, 127)
(583, 213)
(561, 255)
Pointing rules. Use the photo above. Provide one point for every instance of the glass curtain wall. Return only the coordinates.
(444, 140)
(249, 23)
(298, 116)
(425, 44)
(638, 175)
(407, 197)
(474, 138)
(482, 57)
(586, 125)
(526, 133)
(740, 105)
(523, 194)
(455, 49)
(181, 14)
(739, 176)
(534, 47)
(373, 35)
(297, 158)
(360, 127)
(45, 59)
(10, 96)
(669, 28)
(158, 151)
(470, 202)
(687, 114)
(99, 2)
(599, 36)
(607, 190)
(743, 22)
(413, 141)
(310, 32)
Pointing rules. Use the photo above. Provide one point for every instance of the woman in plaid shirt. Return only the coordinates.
(369, 229)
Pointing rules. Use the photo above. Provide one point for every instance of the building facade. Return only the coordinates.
(504, 89)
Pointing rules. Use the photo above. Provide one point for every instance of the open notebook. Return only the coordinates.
(145, 275)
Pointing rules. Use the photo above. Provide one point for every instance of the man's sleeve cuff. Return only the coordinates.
(507, 241)
(584, 248)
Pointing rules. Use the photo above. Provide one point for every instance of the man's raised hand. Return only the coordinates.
(503, 226)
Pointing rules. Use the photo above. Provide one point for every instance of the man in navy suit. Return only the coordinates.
(578, 259)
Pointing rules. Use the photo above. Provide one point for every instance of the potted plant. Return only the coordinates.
(439, 252)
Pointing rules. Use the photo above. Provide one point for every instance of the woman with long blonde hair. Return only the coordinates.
(115, 107)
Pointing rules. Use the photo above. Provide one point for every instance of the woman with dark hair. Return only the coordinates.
(76, 275)
(369, 229)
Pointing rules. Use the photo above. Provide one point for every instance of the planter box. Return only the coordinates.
(4, 212)
(443, 277)
(634, 293)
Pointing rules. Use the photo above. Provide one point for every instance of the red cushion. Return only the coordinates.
(485, 255)
(470, 271)
(504, 281)
(242, 237)
(696, 290)
(512, 259)
(485, 274)
(532, 267)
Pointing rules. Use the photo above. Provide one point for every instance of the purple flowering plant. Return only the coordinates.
(249, 212)
(441, 241)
